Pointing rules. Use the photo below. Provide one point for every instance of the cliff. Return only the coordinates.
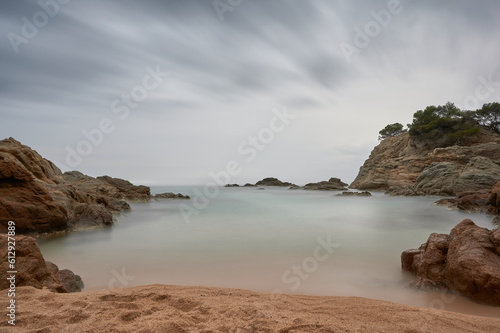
(402, 165)
(39, 198)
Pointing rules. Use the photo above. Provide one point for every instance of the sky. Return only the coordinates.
(193, 91)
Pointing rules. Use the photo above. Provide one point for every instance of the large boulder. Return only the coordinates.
(466, 261)
(39, 198)
(31, 268)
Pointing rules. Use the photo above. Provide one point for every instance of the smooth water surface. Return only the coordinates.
(268, 240)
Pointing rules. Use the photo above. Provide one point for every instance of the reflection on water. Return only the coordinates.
(272, 240)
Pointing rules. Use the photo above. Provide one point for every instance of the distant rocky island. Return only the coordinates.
(333, 184)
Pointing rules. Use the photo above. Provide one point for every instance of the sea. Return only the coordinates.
(267, 239)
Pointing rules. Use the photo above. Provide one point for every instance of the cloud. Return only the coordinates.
(226, 76)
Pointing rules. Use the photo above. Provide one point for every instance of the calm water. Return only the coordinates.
(267, 240)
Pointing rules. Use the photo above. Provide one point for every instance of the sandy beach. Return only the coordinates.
(176, 309)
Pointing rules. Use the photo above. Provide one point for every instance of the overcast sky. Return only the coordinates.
(231, 68)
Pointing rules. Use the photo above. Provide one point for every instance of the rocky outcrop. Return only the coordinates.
(466, 261)
(39, 198)
(31, 268)
(231, 185)
(249, 185)
(355, 194)
(333, 184)
(270, 181)
(70, 281)
(170, 195)
(485, 201)
(402, 165)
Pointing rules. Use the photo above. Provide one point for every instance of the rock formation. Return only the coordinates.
(466, 261)
(402, 165)
(170, 195)
(355, 194)
(333, 184)
(33, 270)
(39, 198)
(270, 181)
(231, 185)
(485, 201)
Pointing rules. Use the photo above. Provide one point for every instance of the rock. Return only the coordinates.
(356, 194)
(30, 266)
(231, 185)
(467, 261)
(486, 201)
(40, 199)
(170, 195)
(249, 185)
(261, 188)
(402, 165)
(333, 184)
(294, 187)
(272, 182)
(71, 282)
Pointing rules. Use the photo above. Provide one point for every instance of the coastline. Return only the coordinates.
(166, 308)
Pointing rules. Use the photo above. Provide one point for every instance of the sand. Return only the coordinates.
(163, 308)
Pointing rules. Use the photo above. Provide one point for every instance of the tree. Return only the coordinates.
(489, 116)
(391, 130)
(444, 125)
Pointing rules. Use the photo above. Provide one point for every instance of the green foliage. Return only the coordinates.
(391, 130)
(444, 124)
(489, 116)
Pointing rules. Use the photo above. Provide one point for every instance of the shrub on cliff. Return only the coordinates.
(391, 130)
(489, 116)
(443, 125)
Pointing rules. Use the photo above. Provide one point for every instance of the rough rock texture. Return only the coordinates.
(333, 184)
(71, 282)
(32, 270)
(355, 194)
(466, 261)
(249, 185)
(170, 195)
(231, 185)
(402, 165)
(39, 198)
(486, 201)
(270, 181)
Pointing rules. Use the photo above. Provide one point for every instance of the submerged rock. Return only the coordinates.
(170, 195)
(356, 194)
(466, 261)
(32, 270)
(333, 184)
